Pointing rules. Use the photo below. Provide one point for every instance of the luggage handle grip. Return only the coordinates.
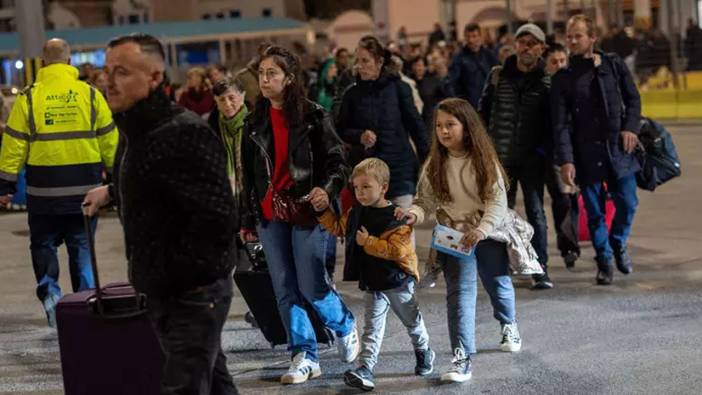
(98, 308)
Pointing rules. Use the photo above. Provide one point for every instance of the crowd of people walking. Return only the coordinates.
(374, 147)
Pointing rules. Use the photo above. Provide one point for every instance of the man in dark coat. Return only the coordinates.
(470, 67)
(596, 111)
(178, 213)
(515, 109)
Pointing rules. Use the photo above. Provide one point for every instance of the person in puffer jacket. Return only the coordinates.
(378, 118)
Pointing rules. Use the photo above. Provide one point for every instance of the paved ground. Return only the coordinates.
(639, 336)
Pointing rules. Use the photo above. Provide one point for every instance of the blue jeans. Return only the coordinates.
(623, 192)
(491, 262)
(532, 179)
(48, 232)
(296, 262)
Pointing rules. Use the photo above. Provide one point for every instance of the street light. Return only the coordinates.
(19, 65)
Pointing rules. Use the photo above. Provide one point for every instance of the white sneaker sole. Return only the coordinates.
(456, 377)
(354, 354)
(285, 379)
(511, 347)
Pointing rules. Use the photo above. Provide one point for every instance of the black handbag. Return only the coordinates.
(657, 156)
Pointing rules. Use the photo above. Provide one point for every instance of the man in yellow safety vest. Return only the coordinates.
(61, 130)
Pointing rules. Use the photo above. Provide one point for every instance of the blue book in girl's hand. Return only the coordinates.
(448, 241)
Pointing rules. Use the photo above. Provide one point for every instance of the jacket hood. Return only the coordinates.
(324, 71)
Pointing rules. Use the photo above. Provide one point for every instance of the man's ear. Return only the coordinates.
(157, 77)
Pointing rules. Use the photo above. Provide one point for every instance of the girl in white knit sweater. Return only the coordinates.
(463, 180)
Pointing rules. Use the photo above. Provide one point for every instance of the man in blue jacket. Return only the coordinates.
(470, 67)
(596, 113)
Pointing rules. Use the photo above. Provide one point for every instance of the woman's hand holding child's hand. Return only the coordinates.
(319, 199)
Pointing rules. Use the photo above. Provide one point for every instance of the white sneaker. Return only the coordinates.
(511, 341)
(349, 346)
(461, 368)
(301, 369)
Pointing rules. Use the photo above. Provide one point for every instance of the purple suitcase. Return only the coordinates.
(107, 343)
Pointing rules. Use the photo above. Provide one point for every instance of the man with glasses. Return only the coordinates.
(514, 106)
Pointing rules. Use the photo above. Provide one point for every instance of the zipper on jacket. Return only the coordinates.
(269, 162)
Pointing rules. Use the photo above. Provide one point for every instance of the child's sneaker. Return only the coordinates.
(301, 369)
(360, 377)
(542, 281)
(461, 368)
(511, 341)
(349, 346)
(425, 362)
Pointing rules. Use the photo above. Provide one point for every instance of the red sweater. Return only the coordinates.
(199, 102)
(281, 179)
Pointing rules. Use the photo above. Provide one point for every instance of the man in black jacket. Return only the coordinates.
(515, 108)
(177, 209)
(469, 68)
(596, 115)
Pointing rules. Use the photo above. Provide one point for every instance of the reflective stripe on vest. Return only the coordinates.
(86, 134)
(60, 191)
(32, 125)
(8, 176)
(93, 111)
(18, 135)
(105, 130)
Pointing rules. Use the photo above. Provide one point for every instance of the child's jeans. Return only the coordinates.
(491, 262)
(402, 301)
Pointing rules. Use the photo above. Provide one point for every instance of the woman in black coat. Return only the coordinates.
(378, 118)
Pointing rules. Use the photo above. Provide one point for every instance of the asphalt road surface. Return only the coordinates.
(638, 336)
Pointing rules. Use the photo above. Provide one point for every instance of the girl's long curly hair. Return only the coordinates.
(478, 145)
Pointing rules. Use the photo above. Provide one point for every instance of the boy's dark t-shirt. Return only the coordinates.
(377, 274)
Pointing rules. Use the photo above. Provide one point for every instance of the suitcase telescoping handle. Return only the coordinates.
(137, 309)
(93, 257)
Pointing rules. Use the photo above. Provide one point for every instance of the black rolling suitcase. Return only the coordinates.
(257, 289)
(107, 343)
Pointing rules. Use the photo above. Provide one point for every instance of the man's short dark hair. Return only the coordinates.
(472, 27)
(146, 42)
